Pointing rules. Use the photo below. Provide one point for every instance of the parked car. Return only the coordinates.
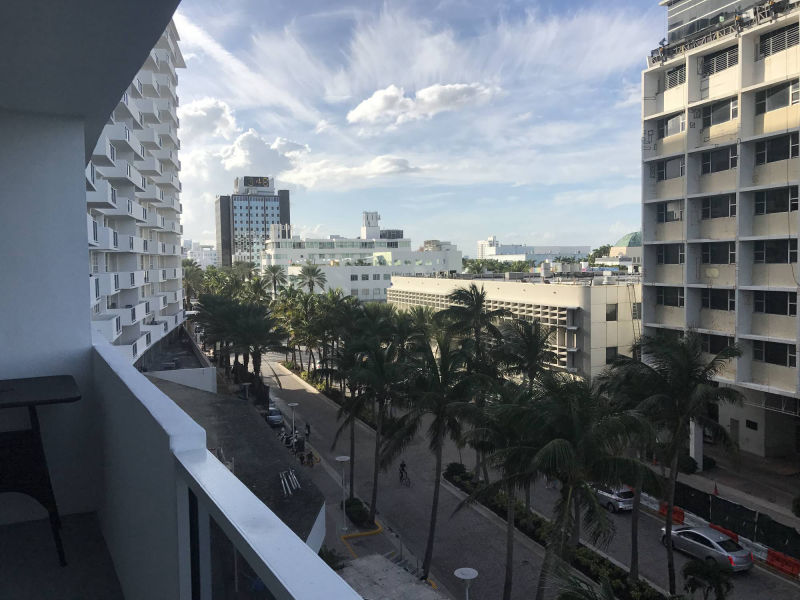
(274, 417)
(614, 499)
(709, 544)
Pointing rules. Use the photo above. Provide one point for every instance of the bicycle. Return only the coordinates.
(405, 480)
(310, 459)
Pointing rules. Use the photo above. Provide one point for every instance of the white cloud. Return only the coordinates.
(391, 105)
(206, 117)
(288, 147)
(329, 173)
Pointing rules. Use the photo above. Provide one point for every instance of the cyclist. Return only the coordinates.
(403, 472)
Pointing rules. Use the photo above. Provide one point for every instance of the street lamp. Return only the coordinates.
(293, 404)
(466, 575)
(343, 460)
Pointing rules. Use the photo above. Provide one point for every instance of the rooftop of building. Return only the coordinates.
(629, 240)
(238, 435)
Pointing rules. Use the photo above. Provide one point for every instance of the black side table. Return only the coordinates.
(23, 464)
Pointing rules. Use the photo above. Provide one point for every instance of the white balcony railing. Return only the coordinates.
(156, 466)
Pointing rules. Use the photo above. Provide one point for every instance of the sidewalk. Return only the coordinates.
(765, 485)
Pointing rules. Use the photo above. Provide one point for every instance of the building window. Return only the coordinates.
(775, 353)
(376, 292)
(719, 61)
(719, 160)
(365, 277)
(778, 40)
(775, 303)
(719, 253)
(720, 112)
(775, 201)
(354, 291)
(669, 296)
(611, 312)
(671, 125)
(714, 344)
(376, 276)
(675, 77)
(670, 254)
(778, 96)
(716, 207)
(636, 310)
(779, 148)
(669, 212)
(670, 169)
(353, 277)
(386, 276)
(611, 354)
(775, 251)
(751, 424)
(718, 299)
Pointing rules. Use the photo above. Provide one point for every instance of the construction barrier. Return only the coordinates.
(734, 516)
(694, 501)
(678, 515)
(731, 534)
(777, 536)
(786, 564)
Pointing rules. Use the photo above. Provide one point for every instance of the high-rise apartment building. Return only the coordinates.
(720, 121)
(133, 209)
(248, 218)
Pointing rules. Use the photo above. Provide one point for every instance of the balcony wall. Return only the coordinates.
(724, 133)
(715, 274)
(775, 67)
(717, 183)
(674, 144)
(781, 275)
(669, 315)
(717, 320)
(774, 376)
(674, 98)
(665, 232)
(777, 120)
(774, 326)
(778, 172)
(717, 229)
(720, 85)
(670, 188)
(775, 224)
(668, 274)
(728, 371)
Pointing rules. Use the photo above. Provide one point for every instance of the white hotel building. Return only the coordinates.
(364, 266)
(720, 172)
(133, 209)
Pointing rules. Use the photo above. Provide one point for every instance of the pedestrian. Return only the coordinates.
(308, 430)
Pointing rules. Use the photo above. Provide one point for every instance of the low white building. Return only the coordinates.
(364, 266)
(492, 249)
(204, 255)
(593, 320)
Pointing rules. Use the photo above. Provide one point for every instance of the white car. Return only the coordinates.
(614, 499)
(710, 545)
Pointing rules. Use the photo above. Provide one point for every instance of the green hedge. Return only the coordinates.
(538, 529)
(358, 513)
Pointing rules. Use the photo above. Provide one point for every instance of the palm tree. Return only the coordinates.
(438, 386)
(192, 281)
(525, 348)
(586, 436)
(680, 378)
(311, 276)
(255, 289)
(276, 277)
(708, 577)
(258, 332)
(469, 315)
(573, 587)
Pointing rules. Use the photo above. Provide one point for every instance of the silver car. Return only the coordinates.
(274, 417)
(710, 545)
(614, 499)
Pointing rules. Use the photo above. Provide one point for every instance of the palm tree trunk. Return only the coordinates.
(673, 476)
(426, 563)
(637, 500)
(246, 359)
(376, 467)
(257, 363)
(352, 455)
(575, 537)
(511, 502)
(528, 486)
(541, 585)
(301, 360)
(485, 468)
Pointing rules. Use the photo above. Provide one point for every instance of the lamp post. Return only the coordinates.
(466, 575)
(343, 460)
(293, 404)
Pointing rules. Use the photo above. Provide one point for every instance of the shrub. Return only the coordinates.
(357, 512)
(796, 506)
(455, 469)
(686, 464)
(708, 463)
(332, 558)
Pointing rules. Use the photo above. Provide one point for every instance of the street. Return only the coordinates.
(469, 538)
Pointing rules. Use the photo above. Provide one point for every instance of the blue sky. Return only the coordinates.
(455, 120)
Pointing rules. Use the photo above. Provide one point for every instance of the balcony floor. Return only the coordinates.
(29, 566)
